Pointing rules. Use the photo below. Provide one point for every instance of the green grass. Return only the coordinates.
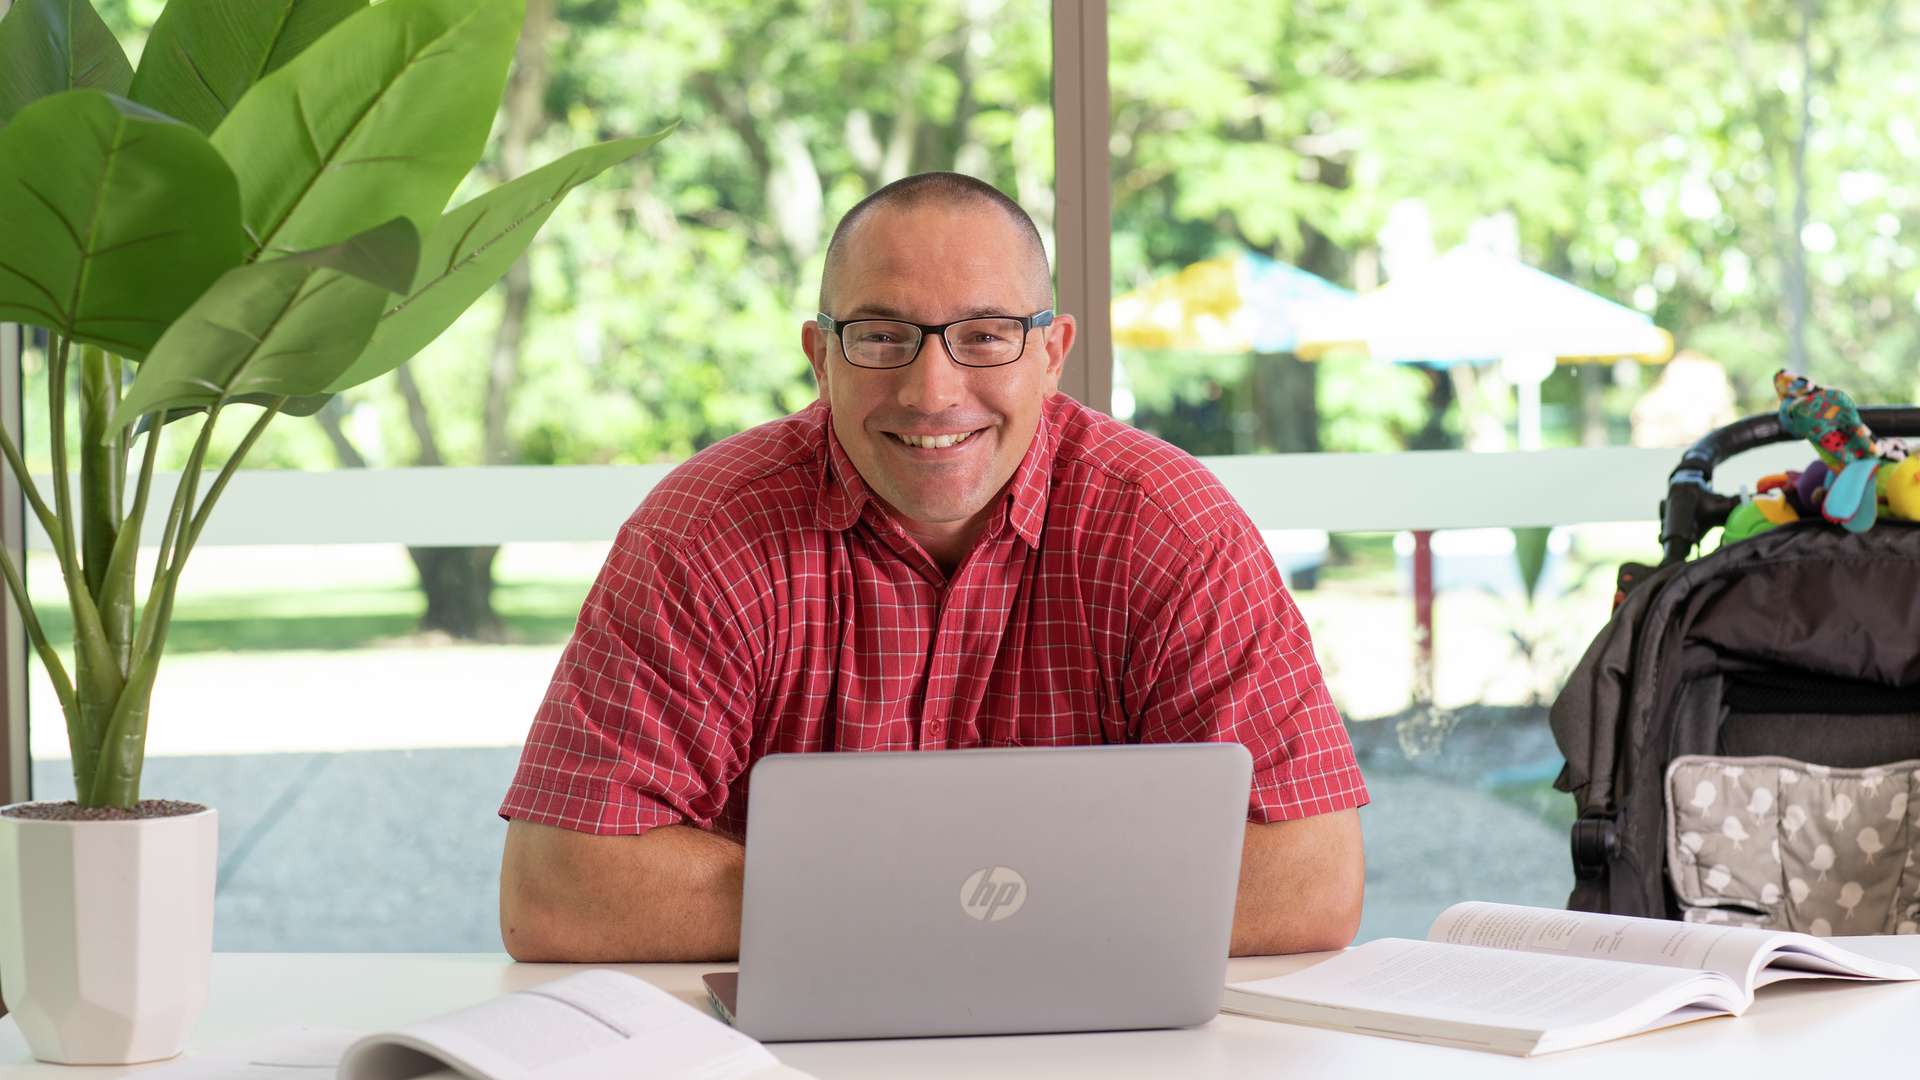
(1360, 558)
(535, 613)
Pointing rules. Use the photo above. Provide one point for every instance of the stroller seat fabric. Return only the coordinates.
(1790, 845)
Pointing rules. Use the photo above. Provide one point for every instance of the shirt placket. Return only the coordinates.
(958, 632)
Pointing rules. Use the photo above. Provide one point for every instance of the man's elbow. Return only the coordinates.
(530, 928)
(1303, 923)
(1336, 925)
(1339, 909)
(537, 922)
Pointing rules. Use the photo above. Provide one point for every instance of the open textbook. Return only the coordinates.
(1524, 981)
(585, 1026)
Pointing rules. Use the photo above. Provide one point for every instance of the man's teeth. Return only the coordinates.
(935, 441)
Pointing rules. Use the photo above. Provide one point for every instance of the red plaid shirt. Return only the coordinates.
(761, 601)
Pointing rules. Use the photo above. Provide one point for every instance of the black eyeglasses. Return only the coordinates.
(982, 341)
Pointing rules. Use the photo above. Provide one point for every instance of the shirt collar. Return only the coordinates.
(844, 493)
(1027, 496)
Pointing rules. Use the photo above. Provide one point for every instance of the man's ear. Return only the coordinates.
(1060, 338)
(814, 342)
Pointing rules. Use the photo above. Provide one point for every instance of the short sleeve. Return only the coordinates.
(1229, 659)
(649, 714)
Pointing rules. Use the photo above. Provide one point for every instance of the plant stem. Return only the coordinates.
(125, 747)
(177, 519)
(123, 750)
(102, 472)
(56, 671)
(116, 599)
(48, 523)
(97, 678)
(226, 473)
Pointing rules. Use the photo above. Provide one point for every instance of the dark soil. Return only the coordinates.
(73, 811)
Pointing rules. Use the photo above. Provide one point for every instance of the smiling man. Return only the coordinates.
(942, 552)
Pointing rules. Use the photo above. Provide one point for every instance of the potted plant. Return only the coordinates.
(245, 224)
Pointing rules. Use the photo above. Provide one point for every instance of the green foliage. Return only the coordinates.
(117, 218)
(1644, 148)
(1369, 407)
(201, 58)
(1530, 557)
(472, 247)
(47, 46)
(249, 268)
(278, 329)
(313, 169)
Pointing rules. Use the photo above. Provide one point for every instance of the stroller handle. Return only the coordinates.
(1692, 506)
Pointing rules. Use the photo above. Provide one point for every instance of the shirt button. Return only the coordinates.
(935, 728)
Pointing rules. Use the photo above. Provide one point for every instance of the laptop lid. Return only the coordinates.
(989, 891)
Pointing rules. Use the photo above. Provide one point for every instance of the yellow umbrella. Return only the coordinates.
(1230, 304)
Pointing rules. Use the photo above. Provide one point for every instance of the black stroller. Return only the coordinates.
(1743, 738)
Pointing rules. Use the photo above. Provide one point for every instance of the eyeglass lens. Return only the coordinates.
(882, 343)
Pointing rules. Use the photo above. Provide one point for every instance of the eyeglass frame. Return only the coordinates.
(1039, 320)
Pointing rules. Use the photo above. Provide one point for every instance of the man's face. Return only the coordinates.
(932, 264)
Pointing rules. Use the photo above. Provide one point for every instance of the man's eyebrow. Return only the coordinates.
(881, 311)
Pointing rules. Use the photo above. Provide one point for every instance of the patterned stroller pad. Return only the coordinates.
(1787, 845)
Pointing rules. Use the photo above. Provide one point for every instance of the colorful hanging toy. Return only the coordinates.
(1842, 484)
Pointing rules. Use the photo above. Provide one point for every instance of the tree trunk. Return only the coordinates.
(1440, 397)
(458, 582)
(1286, 412)
(1593, 404)
(526, 118)
(1796, 268)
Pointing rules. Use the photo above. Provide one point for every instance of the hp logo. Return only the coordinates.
(993, 894)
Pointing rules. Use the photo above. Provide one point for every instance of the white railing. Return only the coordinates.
(1439, 489)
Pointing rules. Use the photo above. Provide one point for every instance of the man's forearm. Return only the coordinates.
(1301, 886)
(672, 894)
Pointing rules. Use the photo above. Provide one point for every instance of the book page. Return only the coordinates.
(289, 1053)
(1729, 950)
(1737, 952)
(1487, 987)
(591, 1024)
(1802, 956)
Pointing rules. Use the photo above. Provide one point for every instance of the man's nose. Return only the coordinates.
(933, 382)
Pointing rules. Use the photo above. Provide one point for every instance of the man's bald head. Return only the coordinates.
(944, 189)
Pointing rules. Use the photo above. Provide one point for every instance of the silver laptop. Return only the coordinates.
(986, 892)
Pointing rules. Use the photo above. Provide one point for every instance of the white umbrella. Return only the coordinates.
(1472, 306)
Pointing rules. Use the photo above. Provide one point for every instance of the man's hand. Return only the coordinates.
(1301, 884)
(672, 894)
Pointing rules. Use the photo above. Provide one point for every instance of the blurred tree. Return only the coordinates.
(663, 312)
(1706, 163)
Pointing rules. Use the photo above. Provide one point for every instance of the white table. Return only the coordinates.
(1801, 1031)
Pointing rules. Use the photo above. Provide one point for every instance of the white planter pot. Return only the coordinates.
(106, 934)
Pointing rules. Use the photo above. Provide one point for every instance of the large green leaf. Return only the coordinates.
(116, 218)
(282, 327)
(204, 54)
(304, 405)
(473, 246)
(382, 117)
(47, 46)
